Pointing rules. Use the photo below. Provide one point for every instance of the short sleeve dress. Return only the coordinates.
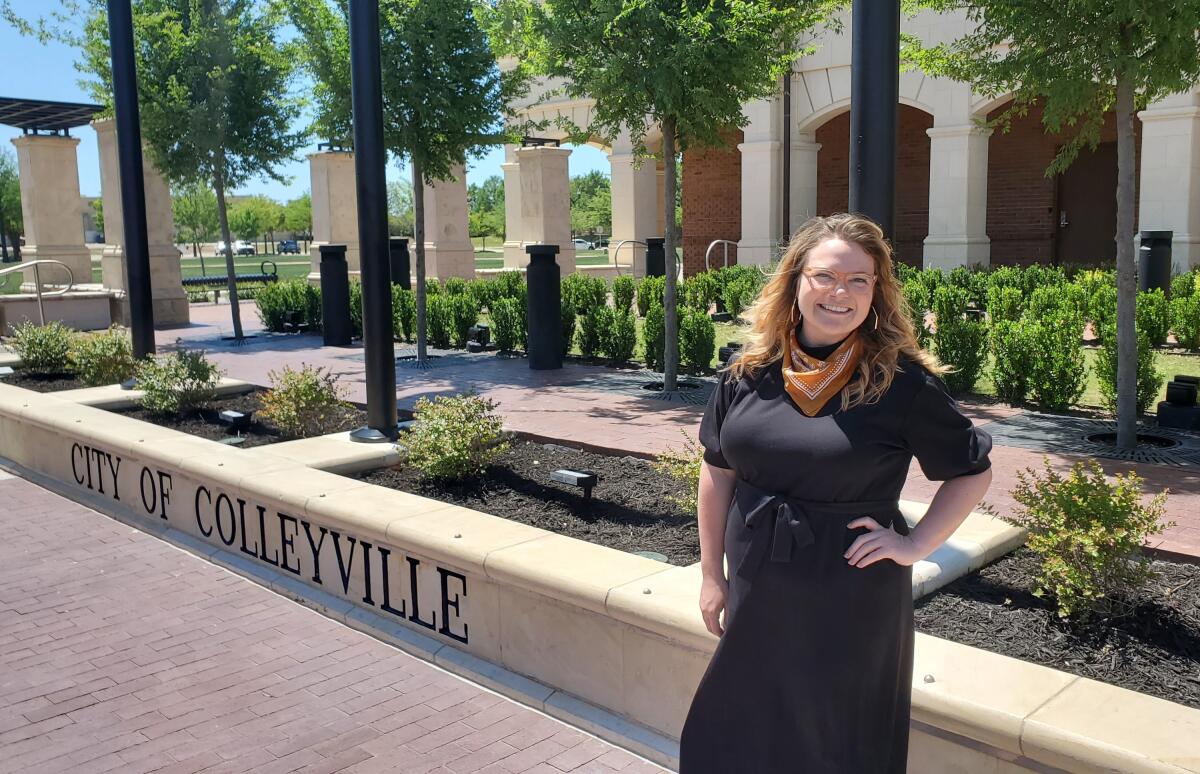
(813, 674)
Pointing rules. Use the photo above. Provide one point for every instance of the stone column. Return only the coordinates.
(761, 194)
(546, 201)
(634, 206)
(514, 248)
(334, 208)
(1169, 189)
(169, 301)
(804, 178)
(448, 248)
(958, 170)
(50, 206)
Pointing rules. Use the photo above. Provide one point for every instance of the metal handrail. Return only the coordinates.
(617, 250)
(713, 244)
(37, 281)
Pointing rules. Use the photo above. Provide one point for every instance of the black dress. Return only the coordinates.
(813, 674)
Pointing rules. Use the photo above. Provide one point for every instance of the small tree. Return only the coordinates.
(1080, 61)
(10, 205)
(297, 217)
(400, 208)
(214, 95)
(195, 208)
(687, 68)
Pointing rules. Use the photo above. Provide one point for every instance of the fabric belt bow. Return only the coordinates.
(777, 525)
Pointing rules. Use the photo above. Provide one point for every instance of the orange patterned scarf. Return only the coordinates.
(812, 382)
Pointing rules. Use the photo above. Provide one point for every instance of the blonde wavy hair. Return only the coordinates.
(773, 320)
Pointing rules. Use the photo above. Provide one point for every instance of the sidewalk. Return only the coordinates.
(568, 405)
(122, 653)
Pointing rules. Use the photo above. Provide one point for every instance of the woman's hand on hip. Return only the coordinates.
(713, 594)
(880, 543)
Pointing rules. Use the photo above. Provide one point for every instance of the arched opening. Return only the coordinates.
(912, 177)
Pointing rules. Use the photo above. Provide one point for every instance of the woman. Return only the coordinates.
(807, 443)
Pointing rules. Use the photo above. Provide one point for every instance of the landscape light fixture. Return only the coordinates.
(237, 420)
(582, 479)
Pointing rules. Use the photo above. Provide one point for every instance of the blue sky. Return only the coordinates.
(32, 69)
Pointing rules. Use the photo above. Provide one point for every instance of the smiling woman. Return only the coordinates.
(808, 441)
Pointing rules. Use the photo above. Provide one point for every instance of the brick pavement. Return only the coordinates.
(119, 652)
(538, 403)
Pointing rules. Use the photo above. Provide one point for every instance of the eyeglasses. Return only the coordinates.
(826, 279)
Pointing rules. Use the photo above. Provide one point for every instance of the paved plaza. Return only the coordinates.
(122, 653)
(576, 405)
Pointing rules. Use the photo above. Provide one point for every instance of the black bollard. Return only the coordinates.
(543, 307)
(398, 250)
(335, 296)
(656, 257)
(1154, 260)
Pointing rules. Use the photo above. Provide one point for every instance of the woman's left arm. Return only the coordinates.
(951, 505)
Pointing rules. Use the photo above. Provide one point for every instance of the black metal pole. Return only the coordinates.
(369, 159)
(874, 96)
(133, 185)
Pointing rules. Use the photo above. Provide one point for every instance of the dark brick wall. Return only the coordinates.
(712, 201)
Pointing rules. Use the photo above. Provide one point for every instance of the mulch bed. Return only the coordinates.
(42, 382)
(1154, 648)
(628, 509)
(204, 422)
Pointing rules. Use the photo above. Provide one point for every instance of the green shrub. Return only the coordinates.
(1149, 378)
(618, 335)
(1091, 280)
(1052, 299)
(464, 314)
(177, 383)
(1058, 371)
(917, 301)
(932, 279)
(1040, 275)
(275, 300)
(1004, 277)
(303, 403)
(1153, 313)
(1185, 320)
(439, 317)
(508, 324)
(972, 281)
(1185, 285)
(44, 349)
(588, 337)
(103, 358)
(404, 313)
(959, 341)
(650, 291)
(454, 438)
(624, 287)
(485, 292)
(356, 307)
(454, 286)
(654, 337)
(566, 319)
(738, 295)
(683, 466)
(510, 284)
(1088, 534)
(702, 291)
(1102, 307)
(1004, 303)
(432, 287)
(905, 272)
(1012, 359)
(584, 293)
(697, 339)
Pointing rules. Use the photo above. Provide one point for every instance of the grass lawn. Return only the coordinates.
(495, 260)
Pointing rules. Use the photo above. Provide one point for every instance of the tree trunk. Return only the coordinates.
(419, 251)
(1127, 342)
(230, 269)
(671, 348)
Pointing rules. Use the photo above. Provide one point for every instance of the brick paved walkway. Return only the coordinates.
(537, 402)
(119, 652)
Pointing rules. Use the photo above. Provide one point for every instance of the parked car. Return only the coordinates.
(582, 244)
(242, 247)
(600, 244)
(288, 246)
